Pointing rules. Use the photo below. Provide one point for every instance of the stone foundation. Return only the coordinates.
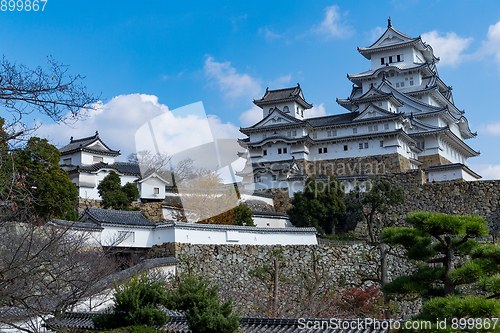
(152, 210)
(432, 160)
(352, 166)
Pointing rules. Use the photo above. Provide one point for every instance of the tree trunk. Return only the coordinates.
(383, 279)
(449, 287)
(275, 289)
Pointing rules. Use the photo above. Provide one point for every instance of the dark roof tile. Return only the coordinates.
(123, 217)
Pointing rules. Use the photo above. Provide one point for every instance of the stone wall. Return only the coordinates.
(453, 197)
(152, 210)
(366, 165)
(332, 266)
(432, 160)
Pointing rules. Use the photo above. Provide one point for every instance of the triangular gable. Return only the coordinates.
(391, 36)
(372, 111)
(98, 144)
(412, 104)
(153, 175)
(276, 117)
(419, 125)
(373, 92)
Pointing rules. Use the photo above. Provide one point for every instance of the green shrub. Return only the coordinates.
(137, 302)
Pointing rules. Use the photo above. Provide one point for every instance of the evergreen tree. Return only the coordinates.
(320, 205)
(243, 216)
(137, 302)
(440, 240)
(204, 311)
(114, 195)
(37, 164)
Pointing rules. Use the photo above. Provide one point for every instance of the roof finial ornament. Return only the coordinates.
(96, 133)
(267, 89)
(389, 24)
(298, 84)
(71, 139)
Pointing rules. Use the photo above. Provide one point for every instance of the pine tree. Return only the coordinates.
(437, 241)
(114, 195)
(320, 205)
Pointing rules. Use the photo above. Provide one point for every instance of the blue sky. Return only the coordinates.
(145, 58)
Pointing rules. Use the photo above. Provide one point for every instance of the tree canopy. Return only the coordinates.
(115, 195)
(320, 205)
(439, 240)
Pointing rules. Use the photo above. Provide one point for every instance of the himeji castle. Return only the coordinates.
(401, 116)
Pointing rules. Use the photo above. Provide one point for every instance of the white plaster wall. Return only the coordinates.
(75, 158)
(271, 222)
(87, 158)
(143, 236)
(146, 188)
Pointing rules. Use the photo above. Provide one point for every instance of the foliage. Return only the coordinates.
(114, 195)
(320, 205)
(137, 302)
(204, 311)
(360, 302)
(204, 196)
(37, 164)
(243, 216)
(376, 201)
(439, 240)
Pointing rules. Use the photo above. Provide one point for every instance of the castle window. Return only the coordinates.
(325, 150)
(315, 135)
(257, 179)
(366, 145)
(97, 159)
(375, 128)
(360, 146)
(332, 133)
(386, 126)
(126, 236)
(402, 84)
(302, 113)
(279, 150)
(67, 161)
(320, 150)
(421, 145)
(156, 190)
(381, 61)
(390, 60)
(345, 147)
(284, 150)
(294, 133)
(264, 152)
(275, 177)
(382, 143)
(289, 133)
(285, 109)
(399, 57)
(297, 110)
(354, 130)
(397, 84)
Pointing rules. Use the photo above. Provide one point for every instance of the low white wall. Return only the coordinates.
(265, 221)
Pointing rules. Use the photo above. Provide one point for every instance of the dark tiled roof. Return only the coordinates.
(84, 143)
(333, 120)
(129, 218)
(276, 214)
(76, 225)
(451, 166)
(121, 167)
(283, 95)
(178, 323)
(274, 166)
(257, 193)
(198, 226)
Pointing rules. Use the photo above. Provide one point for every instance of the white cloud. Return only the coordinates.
(229, 81)
(269, 35)
(487, 171)
(491, 46)
(449, 47)
(375, 34)
(118, 121)
(316, 111)
(281, 82)
(332, 25)
(251, 116)
(492, 129)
